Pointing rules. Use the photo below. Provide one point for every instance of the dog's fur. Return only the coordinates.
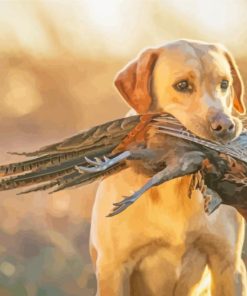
(165, 243)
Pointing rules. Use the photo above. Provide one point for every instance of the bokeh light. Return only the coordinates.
(58, 60)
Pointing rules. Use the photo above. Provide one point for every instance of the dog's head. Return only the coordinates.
(198, 83)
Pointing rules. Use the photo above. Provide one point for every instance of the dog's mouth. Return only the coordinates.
(207, 127)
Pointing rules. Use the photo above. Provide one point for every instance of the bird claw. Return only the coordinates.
(117, 210)
(123, 204)
(126, 199)
(99, 165)
(97, 160)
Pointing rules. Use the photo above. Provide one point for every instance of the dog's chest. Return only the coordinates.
(165, 270)
(175, 223)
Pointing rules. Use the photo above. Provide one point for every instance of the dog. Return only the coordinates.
(165, 244)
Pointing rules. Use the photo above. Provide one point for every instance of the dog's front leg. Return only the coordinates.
(112, 280)
(227, 268)
(228, 279)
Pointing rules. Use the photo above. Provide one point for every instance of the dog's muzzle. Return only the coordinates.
(222, 127)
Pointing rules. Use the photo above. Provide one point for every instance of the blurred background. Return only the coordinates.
(58, 60)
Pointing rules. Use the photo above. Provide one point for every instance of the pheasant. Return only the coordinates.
(156, 145)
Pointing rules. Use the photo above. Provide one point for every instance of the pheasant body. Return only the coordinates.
(156, 145)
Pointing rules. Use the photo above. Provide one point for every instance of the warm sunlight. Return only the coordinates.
(60, 65)
(104, 15)
(120, 27)
(220, 19)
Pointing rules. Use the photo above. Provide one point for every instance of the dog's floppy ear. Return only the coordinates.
(238, 86)
(133, 82)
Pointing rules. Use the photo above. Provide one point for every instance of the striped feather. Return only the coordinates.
(89, 142)
(55, 164)
(49, 173)
(87, 139)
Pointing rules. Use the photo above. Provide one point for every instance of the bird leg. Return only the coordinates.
(189, 163)
(102, 165)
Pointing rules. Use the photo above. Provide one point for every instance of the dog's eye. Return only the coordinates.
(183, 86)
(224, 84)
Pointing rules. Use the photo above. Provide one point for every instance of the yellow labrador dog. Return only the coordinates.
(165, 244)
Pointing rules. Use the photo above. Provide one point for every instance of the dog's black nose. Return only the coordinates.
(222, 126)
